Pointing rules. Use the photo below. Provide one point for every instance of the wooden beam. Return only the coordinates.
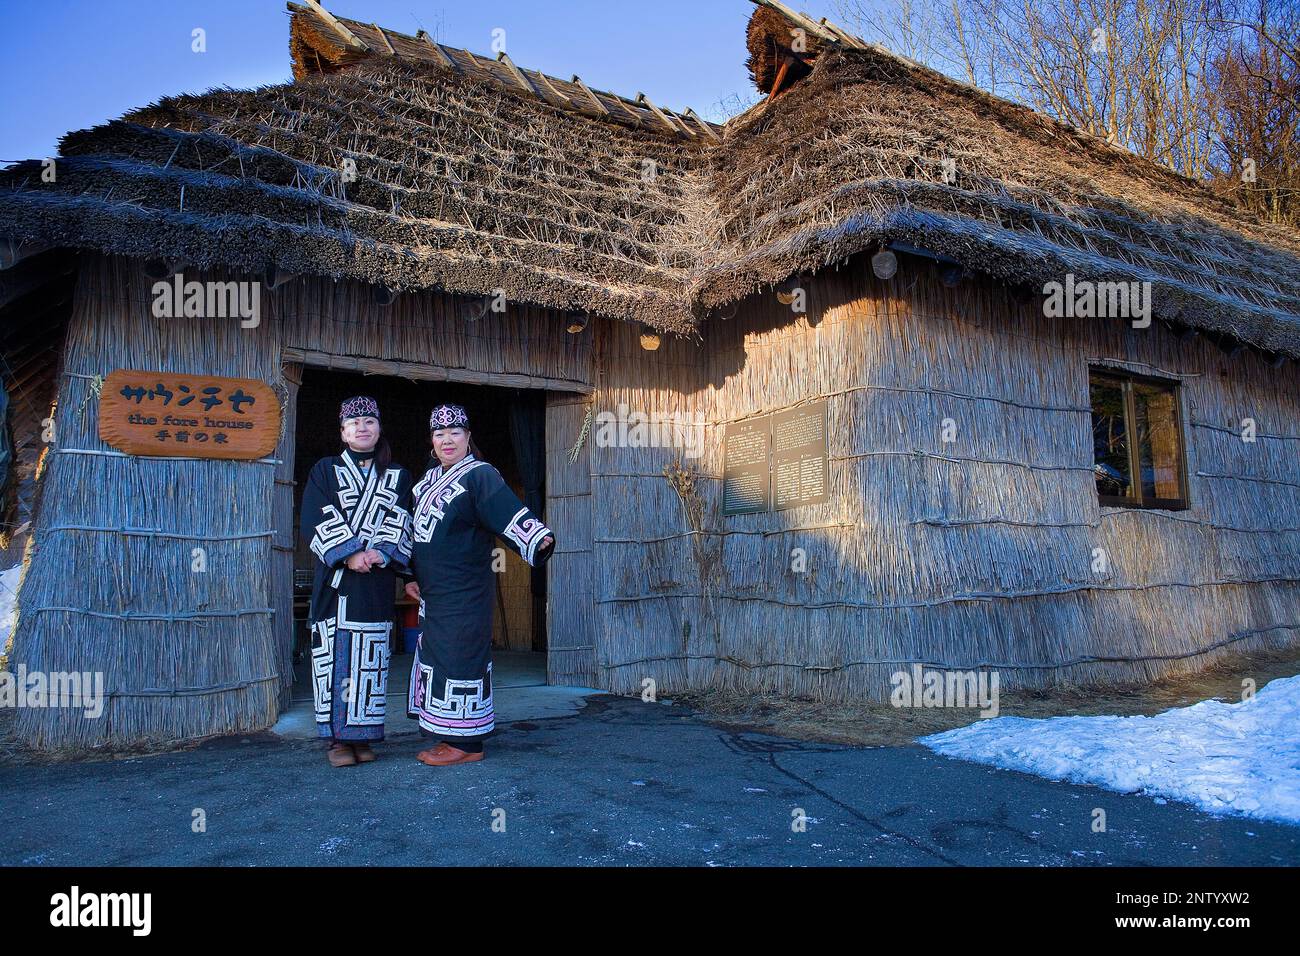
(848, 39)
(384, 36)
(594, 99)
(644, 100)
(348, 36)
(423, 372)
(551, 86)
(800, 20)
(518, 74)
(438, 51)
(780, 78)
(708, 129)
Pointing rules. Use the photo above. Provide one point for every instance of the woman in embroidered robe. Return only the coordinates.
(356, 517)
(460, 506)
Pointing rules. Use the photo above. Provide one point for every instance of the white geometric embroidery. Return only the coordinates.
(526, 534)
(322, 668)
(461, 711)
(375, 518)
(372, 504)
(435, 491)
(330, 533)
(368, 667)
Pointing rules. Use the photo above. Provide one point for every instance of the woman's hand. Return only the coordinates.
(359, 562)
(376, 559)
(546, 543)
(412, 590)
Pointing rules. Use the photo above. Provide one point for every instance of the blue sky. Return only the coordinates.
(71, 64)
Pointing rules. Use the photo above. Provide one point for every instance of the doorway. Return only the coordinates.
(508, 426)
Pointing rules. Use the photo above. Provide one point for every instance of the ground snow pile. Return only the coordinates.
(1239, 758)
(8, 602)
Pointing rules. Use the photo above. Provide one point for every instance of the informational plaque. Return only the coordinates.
(188, 416)
(776, 462)
(800, 469)
(746, 477)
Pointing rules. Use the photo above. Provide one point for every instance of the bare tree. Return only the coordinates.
(1190, 84)
(1255, 88)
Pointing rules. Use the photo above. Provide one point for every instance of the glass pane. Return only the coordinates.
(1110, 439)
(1159, 454)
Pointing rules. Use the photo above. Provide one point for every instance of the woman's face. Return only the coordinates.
(360, 434)
(450, 444)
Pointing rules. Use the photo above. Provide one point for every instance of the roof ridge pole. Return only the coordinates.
(352, 39)
(644, 100)
(800, 19)
(848, 38)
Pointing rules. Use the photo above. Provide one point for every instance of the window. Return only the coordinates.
(1137, 441)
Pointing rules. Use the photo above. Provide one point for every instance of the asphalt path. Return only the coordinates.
(621, 783)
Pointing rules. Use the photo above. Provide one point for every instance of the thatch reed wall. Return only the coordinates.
(110, 587)
(973, 553)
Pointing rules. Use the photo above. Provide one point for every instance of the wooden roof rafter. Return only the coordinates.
(643, 100)
(551, 86)
(384, 36)
(640, 112)
(577, 81)
(708, 130)
(822, 30)
(348, 37)
(438, 51)
(523, 81)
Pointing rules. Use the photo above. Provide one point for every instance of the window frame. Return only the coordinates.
(1126, 380)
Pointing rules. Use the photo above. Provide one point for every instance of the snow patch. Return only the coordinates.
(1241, 758)
(8, 602)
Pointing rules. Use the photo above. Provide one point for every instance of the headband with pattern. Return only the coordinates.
(361, 406)
(448, 416)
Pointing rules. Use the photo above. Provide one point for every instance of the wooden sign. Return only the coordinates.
(188, 416)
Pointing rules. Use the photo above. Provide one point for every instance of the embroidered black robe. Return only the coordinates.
(346, 509)
(457, 514)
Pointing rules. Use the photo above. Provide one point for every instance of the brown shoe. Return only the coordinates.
(447, 756)
(341, 755)
(424, 756)
(363, 752)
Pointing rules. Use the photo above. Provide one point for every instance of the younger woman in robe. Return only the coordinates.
(460, 506)
(356, 517)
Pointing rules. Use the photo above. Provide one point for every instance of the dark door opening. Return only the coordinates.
(508, 428)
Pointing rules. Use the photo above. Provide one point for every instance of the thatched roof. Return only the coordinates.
(474, 174)
(558, 195)
(852, 157)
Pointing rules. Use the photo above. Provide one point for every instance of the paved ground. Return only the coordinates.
(619, 782)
